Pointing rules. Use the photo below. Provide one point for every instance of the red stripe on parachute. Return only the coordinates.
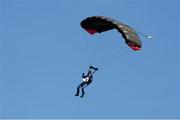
(91, 31)
(135, 48)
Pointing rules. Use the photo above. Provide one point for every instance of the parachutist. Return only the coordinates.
(87, 79)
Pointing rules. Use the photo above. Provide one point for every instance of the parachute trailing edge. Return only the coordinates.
(98, 24)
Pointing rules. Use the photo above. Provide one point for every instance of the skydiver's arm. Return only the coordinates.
(95, 69)
(83, 75)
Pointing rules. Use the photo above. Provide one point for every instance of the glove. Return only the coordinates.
(96, 68)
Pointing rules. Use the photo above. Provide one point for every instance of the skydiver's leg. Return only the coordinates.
(83, 86)
(82, 89)
(78, 89)
(77, 93)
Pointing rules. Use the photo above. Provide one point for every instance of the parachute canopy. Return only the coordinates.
(98, 24)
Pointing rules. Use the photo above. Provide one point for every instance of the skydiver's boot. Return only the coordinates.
(82, 89)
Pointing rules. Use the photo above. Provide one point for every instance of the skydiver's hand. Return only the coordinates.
(96, 69)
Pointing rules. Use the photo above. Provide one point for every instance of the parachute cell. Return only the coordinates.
(98, 24)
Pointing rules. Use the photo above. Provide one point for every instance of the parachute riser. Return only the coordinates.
(142, 34)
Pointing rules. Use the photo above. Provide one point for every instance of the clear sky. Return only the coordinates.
(44, 50)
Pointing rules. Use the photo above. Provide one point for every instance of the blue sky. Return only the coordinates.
(44, 52)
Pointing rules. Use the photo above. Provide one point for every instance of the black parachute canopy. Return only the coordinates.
(98, 24)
